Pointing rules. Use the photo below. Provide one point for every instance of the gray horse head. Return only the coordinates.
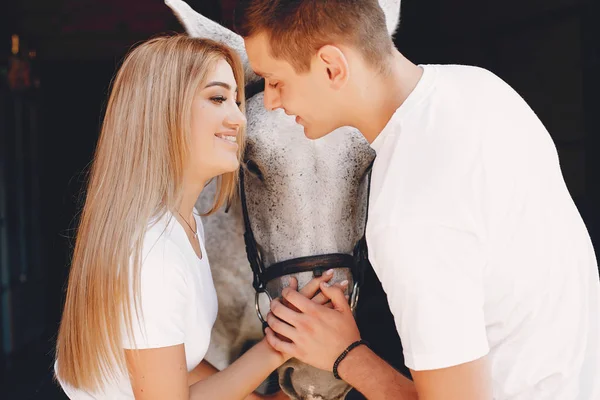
(304, 197)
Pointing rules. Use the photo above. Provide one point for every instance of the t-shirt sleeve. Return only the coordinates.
(433, 277)
(163, 299)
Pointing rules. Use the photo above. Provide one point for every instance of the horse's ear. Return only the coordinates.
(391, 8)
(197, 25)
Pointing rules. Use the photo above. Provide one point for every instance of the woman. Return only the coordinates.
(140, 301)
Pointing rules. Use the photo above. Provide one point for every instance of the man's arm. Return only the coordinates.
(468, 381)
(374, 378)
(319, 335)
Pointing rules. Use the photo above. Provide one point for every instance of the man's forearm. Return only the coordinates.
(375, 378)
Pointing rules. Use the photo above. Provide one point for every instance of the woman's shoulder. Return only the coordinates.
(162, 248)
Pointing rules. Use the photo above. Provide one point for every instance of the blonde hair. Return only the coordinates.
(136, 177)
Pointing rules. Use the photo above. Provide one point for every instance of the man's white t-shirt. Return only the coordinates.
(477, 242)
(178, 302)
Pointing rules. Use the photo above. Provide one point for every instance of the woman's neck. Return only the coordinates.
(191, 192)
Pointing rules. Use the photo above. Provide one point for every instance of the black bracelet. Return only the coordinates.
(344, 354)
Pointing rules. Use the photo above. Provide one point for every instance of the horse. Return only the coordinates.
(301, 198)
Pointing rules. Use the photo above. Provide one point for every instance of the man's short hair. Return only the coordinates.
(298, 28)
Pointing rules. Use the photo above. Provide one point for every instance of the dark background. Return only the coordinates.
(546, 49)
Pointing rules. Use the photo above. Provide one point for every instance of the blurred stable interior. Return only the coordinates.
(57, 58)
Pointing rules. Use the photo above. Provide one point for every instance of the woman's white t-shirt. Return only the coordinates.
(178, 302)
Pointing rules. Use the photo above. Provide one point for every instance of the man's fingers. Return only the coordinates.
(322, 299)
(337, 297)
(281, 327)
(294, 286)
(284, 313)
(297, 300)
(329, 304)
(278, 344)
(312, 287)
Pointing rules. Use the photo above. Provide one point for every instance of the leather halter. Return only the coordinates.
(357, 262)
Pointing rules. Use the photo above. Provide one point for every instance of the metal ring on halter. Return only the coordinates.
(354, 297)
(257, 306)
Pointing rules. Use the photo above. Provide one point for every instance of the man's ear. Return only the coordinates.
(335, 64)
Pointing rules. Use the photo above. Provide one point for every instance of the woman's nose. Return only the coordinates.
(237, 119)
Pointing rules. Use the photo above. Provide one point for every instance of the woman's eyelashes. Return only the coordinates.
(218, 99)
(222, 99)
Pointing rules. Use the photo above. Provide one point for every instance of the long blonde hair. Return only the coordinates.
(136, 177)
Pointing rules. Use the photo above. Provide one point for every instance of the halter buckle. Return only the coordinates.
(354, 297)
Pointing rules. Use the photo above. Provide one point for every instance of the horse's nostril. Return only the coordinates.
(287, 377)
(286, 383)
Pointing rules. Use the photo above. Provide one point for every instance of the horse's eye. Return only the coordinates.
(254, 169)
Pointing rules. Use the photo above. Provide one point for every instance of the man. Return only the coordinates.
(487, 265)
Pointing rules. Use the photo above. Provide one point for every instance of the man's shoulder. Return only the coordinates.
(457, 72)
(474, 86)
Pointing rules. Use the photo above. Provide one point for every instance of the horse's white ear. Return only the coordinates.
(197, 25)
(391, 8)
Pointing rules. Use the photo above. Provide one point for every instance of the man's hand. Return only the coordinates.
(318, 334)
(312, 291)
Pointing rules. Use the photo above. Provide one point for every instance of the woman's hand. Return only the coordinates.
(278, 358)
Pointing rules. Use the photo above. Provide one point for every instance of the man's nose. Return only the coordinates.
(271, 99)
